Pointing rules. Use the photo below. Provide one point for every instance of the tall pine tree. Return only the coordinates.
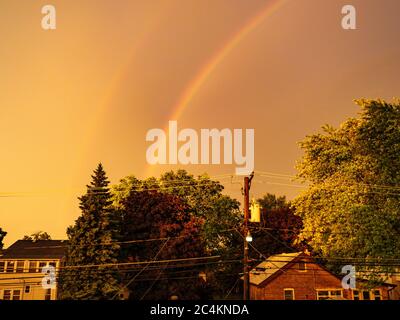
(91, 243)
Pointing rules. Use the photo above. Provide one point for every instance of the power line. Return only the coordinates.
(290, 270)
(139, 186)
(139, 262)
(183, 183)
(260, 272)
(126, 270)
(112, 242)
(105, 243)
(293, 177)
(299, 230)
(133, 279)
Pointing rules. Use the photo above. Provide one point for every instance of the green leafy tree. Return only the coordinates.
(351, 208)
(91, 242)
(40, 235)
(2, 235)
(271, 202)
(220, 216)
(204, 198)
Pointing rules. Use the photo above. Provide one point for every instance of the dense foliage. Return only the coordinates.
(217, 218)
(40, 235)
(351, 208)
(163, 230)
(2, 235)
(91, 242)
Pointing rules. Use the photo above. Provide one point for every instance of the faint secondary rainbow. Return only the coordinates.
(201, 77)
(97, 120)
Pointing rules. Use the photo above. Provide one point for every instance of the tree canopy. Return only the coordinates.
(203, 197)
(40, 235)
(278, 229)
(352, 205)
(218, 215)
(164, 230)
(272, 202)
(2, 235)
(91, 242)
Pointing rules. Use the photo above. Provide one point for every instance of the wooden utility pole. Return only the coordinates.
(246, 276)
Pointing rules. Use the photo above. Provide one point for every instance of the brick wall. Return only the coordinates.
(305, 283)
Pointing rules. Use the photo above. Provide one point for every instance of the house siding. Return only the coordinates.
(21, 280)
(304, 283)
(21, 269)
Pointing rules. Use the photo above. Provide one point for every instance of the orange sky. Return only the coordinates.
(91, 89)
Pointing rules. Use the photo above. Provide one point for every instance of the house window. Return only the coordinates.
(32, 266)
(366, 295)
(12, 294)
(16, 294)
(322, 295)
(27, 289)
(47, 295)
(42, 264)
(329, 294)
(288, 294)
(2, 266)
(10, 266)
(336, 294)
(7, 295)
(302, 266)
(20, 266)
(377, 295)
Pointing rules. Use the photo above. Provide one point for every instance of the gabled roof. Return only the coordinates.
(39, 249)
(272, 265)
(266, 270)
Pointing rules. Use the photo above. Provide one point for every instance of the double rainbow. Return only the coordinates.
(209, 67)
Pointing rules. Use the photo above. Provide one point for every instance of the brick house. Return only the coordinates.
(296, 276)
(21, 268)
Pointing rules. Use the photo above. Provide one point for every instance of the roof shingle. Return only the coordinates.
(266, 269)
(39, 249)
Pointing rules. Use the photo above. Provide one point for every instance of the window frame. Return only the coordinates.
(379, 294)
(9, 295)
(32, 269)
(371, 293)
(18, 269)
(330, 296)
(284, 294)
(13, 266)
(41, 265)
(14, 295)
(47, 294)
